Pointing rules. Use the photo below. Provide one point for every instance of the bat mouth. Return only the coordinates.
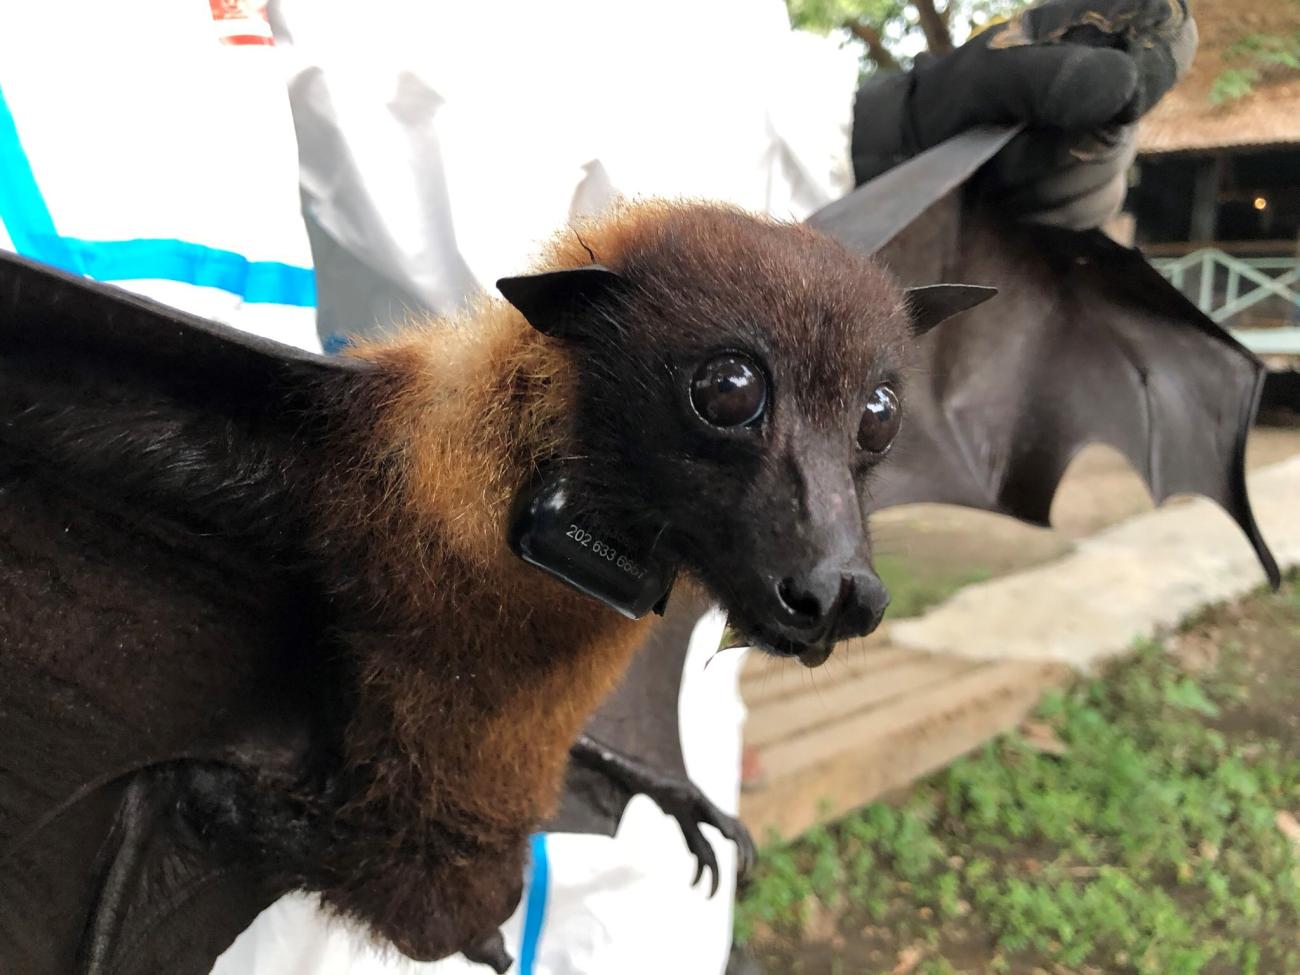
(812, 649)
(809, 654)
(810, 641)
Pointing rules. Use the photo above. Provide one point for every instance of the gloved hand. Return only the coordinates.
(1078, 73)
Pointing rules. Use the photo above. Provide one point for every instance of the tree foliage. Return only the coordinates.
(892, 32)
(1256, 57)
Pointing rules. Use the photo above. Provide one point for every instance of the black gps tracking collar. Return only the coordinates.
(551, 529)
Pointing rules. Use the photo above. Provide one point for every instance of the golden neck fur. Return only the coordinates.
(495, 666)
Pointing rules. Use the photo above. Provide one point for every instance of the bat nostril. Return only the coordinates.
(802, 605)
(848, 591)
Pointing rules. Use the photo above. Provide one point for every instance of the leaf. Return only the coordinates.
(1232, 84)
(732, 638)
(1186, 695)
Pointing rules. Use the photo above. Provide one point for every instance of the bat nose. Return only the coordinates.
(853, 602)
(807, 599)
(865, 606)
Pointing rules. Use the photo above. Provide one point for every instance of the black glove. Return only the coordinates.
(1079, 73)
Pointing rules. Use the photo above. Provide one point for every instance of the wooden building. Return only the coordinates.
(1216, 190)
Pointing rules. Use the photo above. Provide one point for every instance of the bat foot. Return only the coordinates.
(691, 808)
(679, 798)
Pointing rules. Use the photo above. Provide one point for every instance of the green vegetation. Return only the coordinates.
(1255, 58)
(1143, 822)
(913, 589)
(891, 31)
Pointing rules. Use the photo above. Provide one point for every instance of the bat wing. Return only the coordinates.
(1085, 342)
(876, 212)
(152, 625)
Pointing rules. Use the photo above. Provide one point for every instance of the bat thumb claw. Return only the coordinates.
(491, 951)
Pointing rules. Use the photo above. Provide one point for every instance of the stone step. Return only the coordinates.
(766, 678)
(835, 696)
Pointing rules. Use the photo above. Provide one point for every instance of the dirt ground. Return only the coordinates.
(1264, 633)
(1099, 489)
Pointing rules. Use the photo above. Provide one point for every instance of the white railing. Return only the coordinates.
(1224, 286)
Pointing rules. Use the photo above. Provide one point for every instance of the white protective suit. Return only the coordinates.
(441, 144)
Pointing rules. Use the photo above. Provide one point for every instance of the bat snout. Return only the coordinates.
(817, 608)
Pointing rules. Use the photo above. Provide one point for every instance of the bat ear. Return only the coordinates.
(939, 302)
(558, 302)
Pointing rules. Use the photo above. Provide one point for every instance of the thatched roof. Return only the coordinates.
(1186, 120)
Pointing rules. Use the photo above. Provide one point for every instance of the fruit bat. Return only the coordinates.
(272, 621)
(1086, 342)
(275, 622)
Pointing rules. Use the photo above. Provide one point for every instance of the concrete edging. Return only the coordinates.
(1126, 583)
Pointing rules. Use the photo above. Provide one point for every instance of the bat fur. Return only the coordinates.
(451, 678)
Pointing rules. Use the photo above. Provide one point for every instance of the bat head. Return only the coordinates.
(739, 381)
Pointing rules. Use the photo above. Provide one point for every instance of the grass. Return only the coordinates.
(913, 589)
(1134, 826)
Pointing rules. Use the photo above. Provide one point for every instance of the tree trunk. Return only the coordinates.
(876, 50)
(935, 26)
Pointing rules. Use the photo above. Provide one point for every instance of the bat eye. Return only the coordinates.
(729, 391)
(880, 421)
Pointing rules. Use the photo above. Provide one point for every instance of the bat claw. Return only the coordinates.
(734, 830)
(681, 799)
(691, 809)
(702, 850)
(731, 828)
